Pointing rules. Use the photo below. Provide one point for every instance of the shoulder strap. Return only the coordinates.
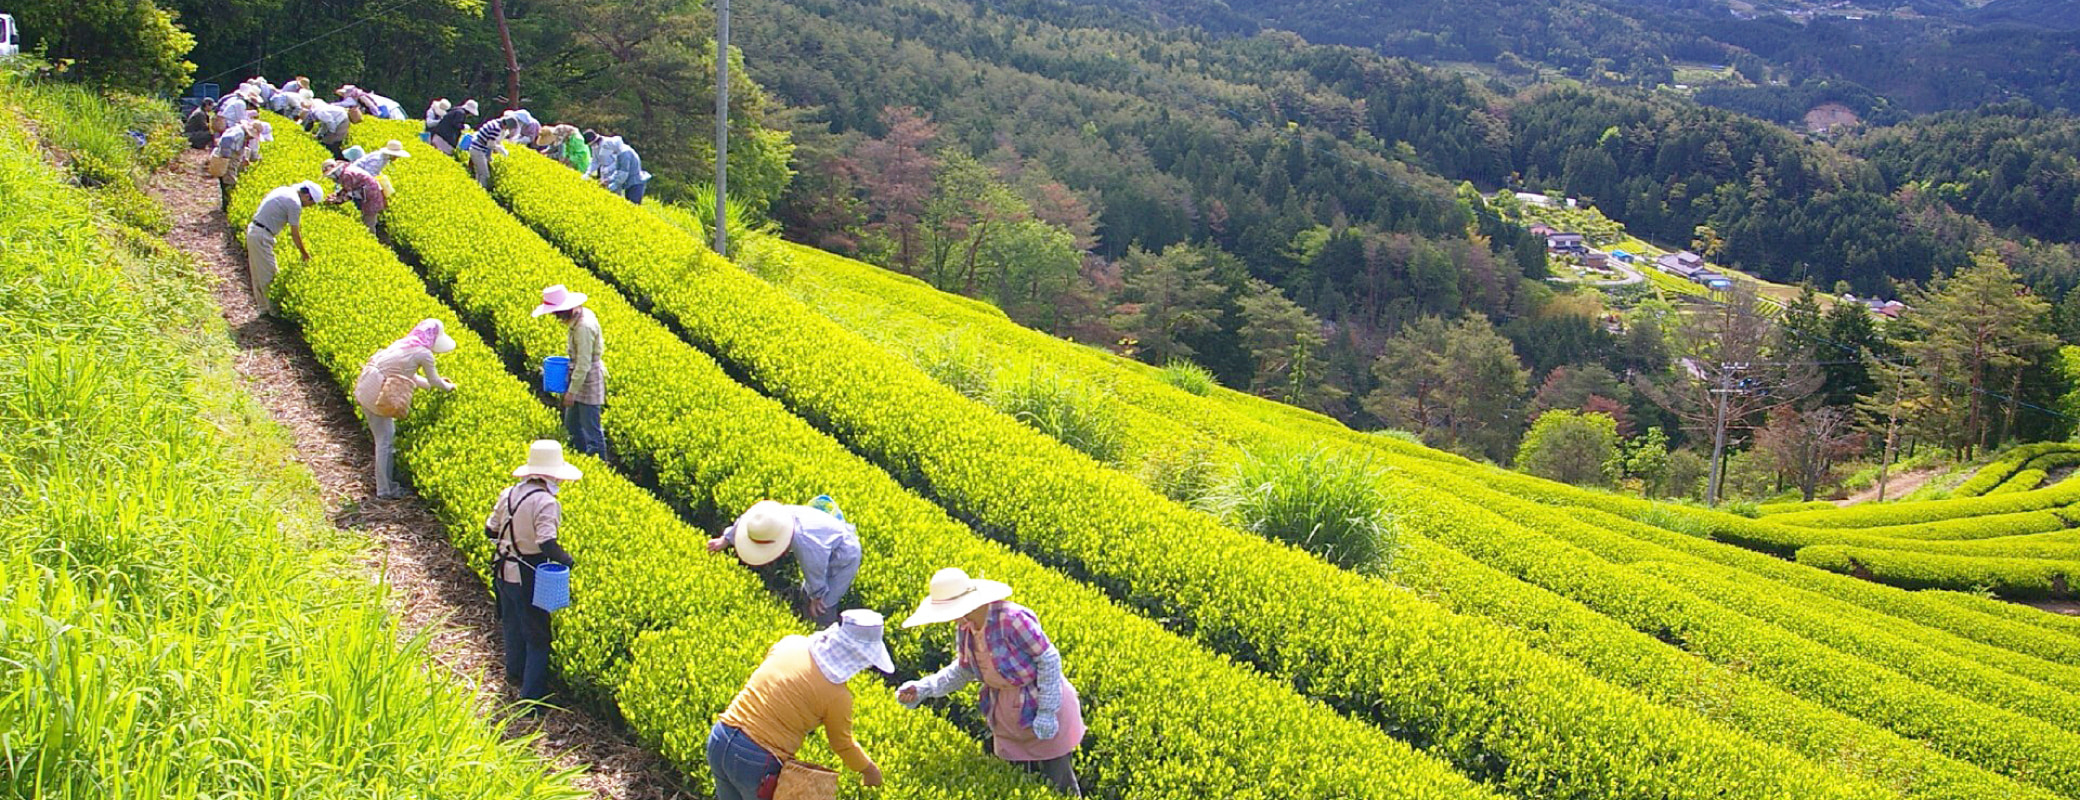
(505, 534)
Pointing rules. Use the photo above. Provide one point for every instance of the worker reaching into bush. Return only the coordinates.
(446, 134)
(826, 546)
(587, 347)
(374, 163)
(620, 168)
(1035, 718)
(798, 688)
(281, 208)
(236, 147)
(524, 524)
(491, 137)
(567, 146)
(385, 390)
(329, 123)
(357, 185)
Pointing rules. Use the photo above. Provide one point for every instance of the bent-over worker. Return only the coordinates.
(199, 126)
(621, 169)
(826, 547)
(798, 688)
(490, 136)
(524, 523)
(448, 131)
(404, 360)
(330, 124)
(281, 208)
(1035, 719)
(587, 392)
(357, 185)
(374, 162)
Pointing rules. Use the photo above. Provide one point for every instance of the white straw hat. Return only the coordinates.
(469, 107)
(395, 149)
(953, 595)
(558, 298)
(762, 534)
(853, 644)
(545, 458)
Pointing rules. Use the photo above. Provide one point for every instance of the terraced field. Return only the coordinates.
(1529, 639)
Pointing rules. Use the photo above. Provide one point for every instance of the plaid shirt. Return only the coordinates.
(1014, 638)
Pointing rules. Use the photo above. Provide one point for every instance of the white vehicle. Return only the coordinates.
(10, 40)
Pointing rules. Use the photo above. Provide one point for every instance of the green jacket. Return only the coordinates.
(578, 154)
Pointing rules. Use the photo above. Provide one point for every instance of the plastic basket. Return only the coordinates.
(552, 587)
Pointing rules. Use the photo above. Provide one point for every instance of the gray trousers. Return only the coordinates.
(1060, 772)
(384, 430)
(480, 163)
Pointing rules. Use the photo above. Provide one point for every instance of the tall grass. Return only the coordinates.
(1325, 503)
(1189, 377)
(173, 622)
(1079, 415)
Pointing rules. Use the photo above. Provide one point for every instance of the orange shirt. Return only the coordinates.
(787, 697)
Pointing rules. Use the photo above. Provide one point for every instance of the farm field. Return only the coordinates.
(1511, 638)
(178, 618)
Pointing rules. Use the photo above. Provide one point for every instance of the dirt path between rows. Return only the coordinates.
(433, 589)
(1896, 488)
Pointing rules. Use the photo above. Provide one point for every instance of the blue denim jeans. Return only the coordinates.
(635, 191)
(738, 764)
(581, 420)
(527, 637)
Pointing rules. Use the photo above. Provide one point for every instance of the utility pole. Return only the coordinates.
(505, 39)
(1899, 387)
(722, 127)
(1711, 493)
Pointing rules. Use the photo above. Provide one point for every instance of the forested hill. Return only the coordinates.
(1918, 56)
(1250, 142)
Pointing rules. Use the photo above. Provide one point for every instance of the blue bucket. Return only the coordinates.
(552, 587)
(463, 146)
(556, 374)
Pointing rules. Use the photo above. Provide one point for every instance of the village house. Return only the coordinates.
(1567, 243)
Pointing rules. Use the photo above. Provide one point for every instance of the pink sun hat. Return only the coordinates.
(557, 298)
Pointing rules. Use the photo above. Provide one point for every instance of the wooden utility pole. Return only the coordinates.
(505, 39)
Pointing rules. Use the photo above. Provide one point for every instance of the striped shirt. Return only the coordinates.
(488, 136)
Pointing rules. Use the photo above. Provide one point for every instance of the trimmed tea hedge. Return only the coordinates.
(640, 569)
(1875, 514)
(2019, 578)
(1529, 722)
(1767, 509)
(2018, 649)
(1522, 544)
(1958, 675)
(2063, 623)
(1992, 526)
(2021, 482)
(1168, 718)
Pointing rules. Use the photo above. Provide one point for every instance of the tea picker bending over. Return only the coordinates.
(798, 688)
(826, 546)
(385, 389)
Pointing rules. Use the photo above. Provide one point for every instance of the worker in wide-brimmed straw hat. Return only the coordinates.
(374, 162)
(1035, 718)
(584, 398)
(798, 688)
(525, 523)
(826, 547)
(385, 389)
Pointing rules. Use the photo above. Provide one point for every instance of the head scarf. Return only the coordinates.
(423, 335)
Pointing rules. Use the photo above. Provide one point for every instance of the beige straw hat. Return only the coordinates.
(953, 595)
(762, 534)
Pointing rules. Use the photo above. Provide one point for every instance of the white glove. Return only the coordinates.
(915, 699)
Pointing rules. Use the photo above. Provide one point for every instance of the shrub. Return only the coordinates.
(1190, 377)
(1189, 475)
(1571, 447)
(1325, 504)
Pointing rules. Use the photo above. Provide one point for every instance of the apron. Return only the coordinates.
(1011, 739)
(509, 548)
